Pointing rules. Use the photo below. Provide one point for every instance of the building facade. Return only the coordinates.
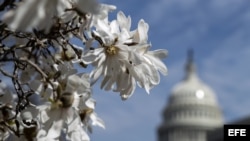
(192, 111)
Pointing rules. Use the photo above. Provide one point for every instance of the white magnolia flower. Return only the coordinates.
(40, 13)
(71, 114)
(109, 56)
(102, 14)
(30, 14)
(148, 63)
(123, 57)
(79, 85)
(63, 120)
(91, 20)
(87, 114)
(54, 121)
(83, 102)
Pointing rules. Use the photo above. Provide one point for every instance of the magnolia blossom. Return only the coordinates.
(53, 95)
(67, 119)
(58, 120)
(123, 57)
(40, 13)
(71, 115)
(146, 63)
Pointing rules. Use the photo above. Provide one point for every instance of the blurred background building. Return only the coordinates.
(192, 112)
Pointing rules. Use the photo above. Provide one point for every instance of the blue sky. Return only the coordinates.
(219, 33)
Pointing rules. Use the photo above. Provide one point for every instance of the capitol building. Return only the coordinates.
(192, 112)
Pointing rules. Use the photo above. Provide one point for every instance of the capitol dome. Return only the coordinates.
(192, 109)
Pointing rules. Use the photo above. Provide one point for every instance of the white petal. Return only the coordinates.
(143, 31)
(114, 28)
(96, 121)
(105, 80)
(158, 64)
(125, 94)
(160, 53)
(123, 21)
(85, 80)
(95, 74)
(151, 73)
(134, 58)
(44, 117)
(69, 115)
(102, 58)
(72, 126)
(104, 9)
(90, 103)
(28, 14)
(110, 83)
(124, 37)
(41, 133)
(73, 83)
(136, 73)
(55, 129)
(122, 82)
(76, 132)
(92, 55)
(103, 28)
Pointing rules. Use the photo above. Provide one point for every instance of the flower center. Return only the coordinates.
(67, 99)
(112, 50)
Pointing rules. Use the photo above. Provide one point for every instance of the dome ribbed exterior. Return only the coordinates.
(192, 110)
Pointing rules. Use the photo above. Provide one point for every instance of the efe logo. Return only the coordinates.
(237, 132)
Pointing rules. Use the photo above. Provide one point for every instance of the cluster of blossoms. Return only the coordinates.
(50, 97)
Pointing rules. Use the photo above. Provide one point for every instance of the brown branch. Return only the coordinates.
(34, 66)
(6, 74)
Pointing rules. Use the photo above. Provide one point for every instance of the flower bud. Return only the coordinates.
(67, 99)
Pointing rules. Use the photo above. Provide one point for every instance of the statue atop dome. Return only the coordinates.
(190, 66)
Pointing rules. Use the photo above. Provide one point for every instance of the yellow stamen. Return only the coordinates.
(112, 50)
